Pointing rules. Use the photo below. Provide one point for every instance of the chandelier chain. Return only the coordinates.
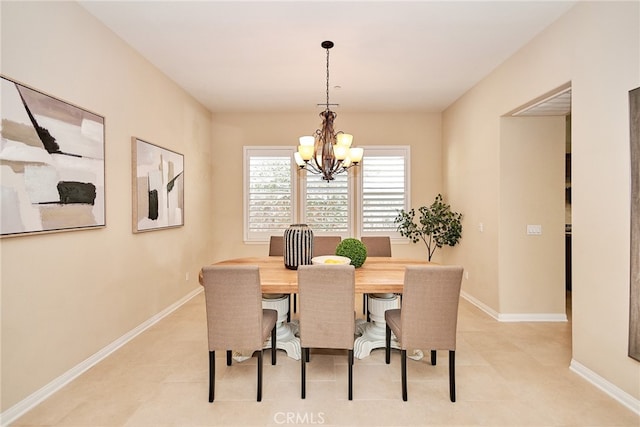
(327, 78)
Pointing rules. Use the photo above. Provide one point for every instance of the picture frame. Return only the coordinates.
(634, 292)
(158, 187)
(52, 170)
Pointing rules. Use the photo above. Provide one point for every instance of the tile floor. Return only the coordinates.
(508, 374)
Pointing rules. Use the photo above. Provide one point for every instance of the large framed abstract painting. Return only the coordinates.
(634, 297)
(51, 163)
(158, 187)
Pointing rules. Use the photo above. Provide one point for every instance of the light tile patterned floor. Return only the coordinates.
(508, 374)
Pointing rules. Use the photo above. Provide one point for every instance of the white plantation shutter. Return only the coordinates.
(269, 204)
(326, 207)
(384, 189)
(368, 199)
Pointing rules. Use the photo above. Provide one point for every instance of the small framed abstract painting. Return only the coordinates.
(51, 164)
(158, 187)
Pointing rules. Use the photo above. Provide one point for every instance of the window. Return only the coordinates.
(269, 191)
(384, 189)
(363, 202)
(326, 206)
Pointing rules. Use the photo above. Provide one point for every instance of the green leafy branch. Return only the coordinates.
(437, 226)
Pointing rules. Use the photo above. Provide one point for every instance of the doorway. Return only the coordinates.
(558, 103)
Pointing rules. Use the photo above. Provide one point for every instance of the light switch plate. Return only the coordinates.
(534, 230)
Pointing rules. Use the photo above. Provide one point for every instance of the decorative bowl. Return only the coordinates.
(330, 260)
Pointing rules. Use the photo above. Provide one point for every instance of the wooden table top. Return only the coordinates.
(377, 274)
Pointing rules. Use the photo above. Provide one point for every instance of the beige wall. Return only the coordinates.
(67, 295)
(595, 46)
(532, 161)
(232, 131)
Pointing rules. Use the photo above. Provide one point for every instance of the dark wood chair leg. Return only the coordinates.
(403, 368)
(289, 312)
(303, 379)
(259, 398)
(387, 346)
(229, 353)
(433, 357)
(350, 355)
(273, 346)
(452, 375)
(212, 374)
(364, 303)
(295, 301)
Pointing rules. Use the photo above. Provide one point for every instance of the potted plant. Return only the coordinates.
(438, 225)
(353, 249)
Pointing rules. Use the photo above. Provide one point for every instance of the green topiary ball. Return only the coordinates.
(353, 249)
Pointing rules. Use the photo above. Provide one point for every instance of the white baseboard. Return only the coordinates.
(30, 402)
(515, 317)
(482, 306)
(618, 394)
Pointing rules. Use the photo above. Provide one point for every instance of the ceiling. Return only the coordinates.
(266, 55)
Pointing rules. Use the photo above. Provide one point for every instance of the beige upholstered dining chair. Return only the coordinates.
(327, 319)
(276, 246)
(235, 317)
(428, 317)
(376, 246)
(325, 245)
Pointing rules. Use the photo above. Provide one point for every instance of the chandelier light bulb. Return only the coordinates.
(344, 139)
(307, 140)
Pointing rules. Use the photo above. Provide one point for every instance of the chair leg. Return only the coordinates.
(403, 368)
(295, 298)
(364, 303)
(289, 312)
(433, 357)
(452, 375)
(259, 398)
(229, 357)
(303, 381)
(350, 356)
(212, 374)
(387, 346)
(273, 345)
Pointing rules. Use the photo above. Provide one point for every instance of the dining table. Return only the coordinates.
(380, 278)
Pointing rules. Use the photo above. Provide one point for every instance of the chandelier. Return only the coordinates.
(327, 153)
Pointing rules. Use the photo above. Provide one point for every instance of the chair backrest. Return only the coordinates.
(377, 245)
(325, 245)
(429, 313)
(276, 246)
(327, 297)
(234, 307)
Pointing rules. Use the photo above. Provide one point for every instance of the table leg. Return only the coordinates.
(285, 332)
(372, 334)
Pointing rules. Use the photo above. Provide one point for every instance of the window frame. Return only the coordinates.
(403, 151)
(355, 191)
(302, 208)
(266, 151)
